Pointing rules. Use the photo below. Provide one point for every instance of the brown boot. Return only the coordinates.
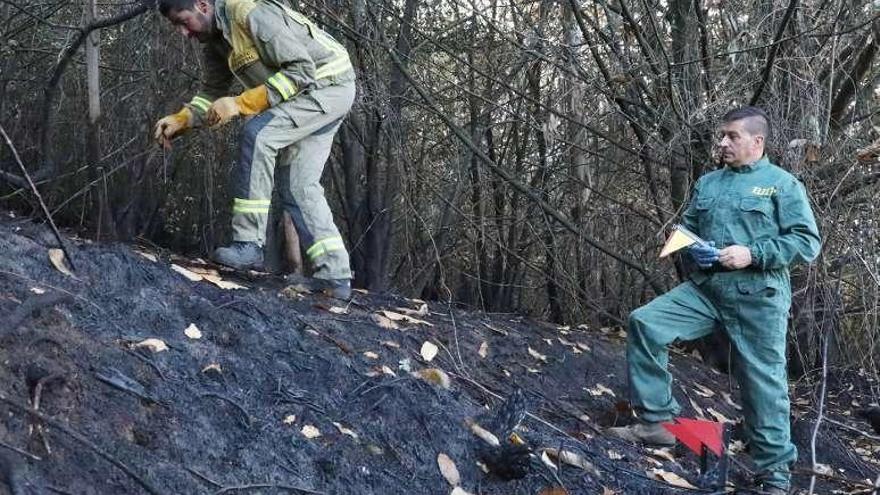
(644, 433)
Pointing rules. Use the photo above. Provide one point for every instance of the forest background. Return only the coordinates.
(507, 155)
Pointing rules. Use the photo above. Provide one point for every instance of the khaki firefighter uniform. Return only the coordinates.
(310, 88)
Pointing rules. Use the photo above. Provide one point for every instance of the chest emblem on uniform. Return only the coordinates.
(763, 191)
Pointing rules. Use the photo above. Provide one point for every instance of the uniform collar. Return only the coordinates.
(750, 167)
(220, 19)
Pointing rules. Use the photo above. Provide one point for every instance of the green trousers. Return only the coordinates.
(295, 138)
(752, 308)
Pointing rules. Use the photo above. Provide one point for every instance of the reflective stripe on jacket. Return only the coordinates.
(267, 42)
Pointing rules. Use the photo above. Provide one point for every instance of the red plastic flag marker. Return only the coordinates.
(695, 433)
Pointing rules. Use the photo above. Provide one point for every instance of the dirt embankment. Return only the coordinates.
(266, 389)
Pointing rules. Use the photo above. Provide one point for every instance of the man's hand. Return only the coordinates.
(735, 257)
(704, 254)
(222, 111)
(171, 125)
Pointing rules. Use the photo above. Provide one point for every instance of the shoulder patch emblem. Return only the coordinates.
(764, 191)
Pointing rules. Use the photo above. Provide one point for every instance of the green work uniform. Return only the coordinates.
(764, 208)
(310, 83)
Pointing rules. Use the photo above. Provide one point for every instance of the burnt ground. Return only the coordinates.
(85, 411)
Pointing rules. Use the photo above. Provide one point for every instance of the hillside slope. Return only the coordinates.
(87, 410)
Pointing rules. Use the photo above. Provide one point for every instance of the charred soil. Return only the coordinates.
(289, 392)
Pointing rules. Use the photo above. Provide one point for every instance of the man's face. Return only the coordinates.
(738, 146)
(196, 22)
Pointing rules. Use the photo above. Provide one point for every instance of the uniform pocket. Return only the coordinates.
(762, 315)
(704, 203)
(757, 212)
(757, 288)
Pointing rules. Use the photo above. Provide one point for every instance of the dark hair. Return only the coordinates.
(166, 6)
(756, 119)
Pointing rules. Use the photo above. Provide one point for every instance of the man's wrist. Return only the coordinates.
(755, 255)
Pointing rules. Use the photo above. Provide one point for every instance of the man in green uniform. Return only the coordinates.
(760, 218)
(301, 86)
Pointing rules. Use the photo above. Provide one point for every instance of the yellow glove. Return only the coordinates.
(171, 125)
(222, 111)
(254, 100)
(250, 102)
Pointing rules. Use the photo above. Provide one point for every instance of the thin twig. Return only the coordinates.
(266, 485)
(19, 451)
(85, 441)
(204, 478)
(820, 414)
(771, 58)
(241, 409)
(36, 192)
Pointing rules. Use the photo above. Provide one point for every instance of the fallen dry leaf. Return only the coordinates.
(516, 439)
(213, 367)
(310, 432)
(671, 478)
(698, 409)
(56, 257)
(729, 400)
(496, 330)
(380, 370)
(391, 315)
(662, 453)
(608, 491)
(153, 345)
(718, 416)
(482, 433)
(192, 276)
(203, 270)
(703, 391)
(371, 355)
(736, 447)
(572, 459)
(390, 343)
(429, 351)
(824, 469)
(553, 490)
(448, 469)
(421, 311)
(345, 431)
(599, 390)
(338, 310)
(38, 290)
(150, 256)
(295, 292)
(484, 350)
(192, 331)
(289, 419)
(223, 284)
(537, 355)
(459, 491)
(435, 376)
(545, 458)
(384, 322)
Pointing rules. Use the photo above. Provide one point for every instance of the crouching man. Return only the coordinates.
(301, 85)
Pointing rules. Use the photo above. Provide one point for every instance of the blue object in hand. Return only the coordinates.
(704, 254)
